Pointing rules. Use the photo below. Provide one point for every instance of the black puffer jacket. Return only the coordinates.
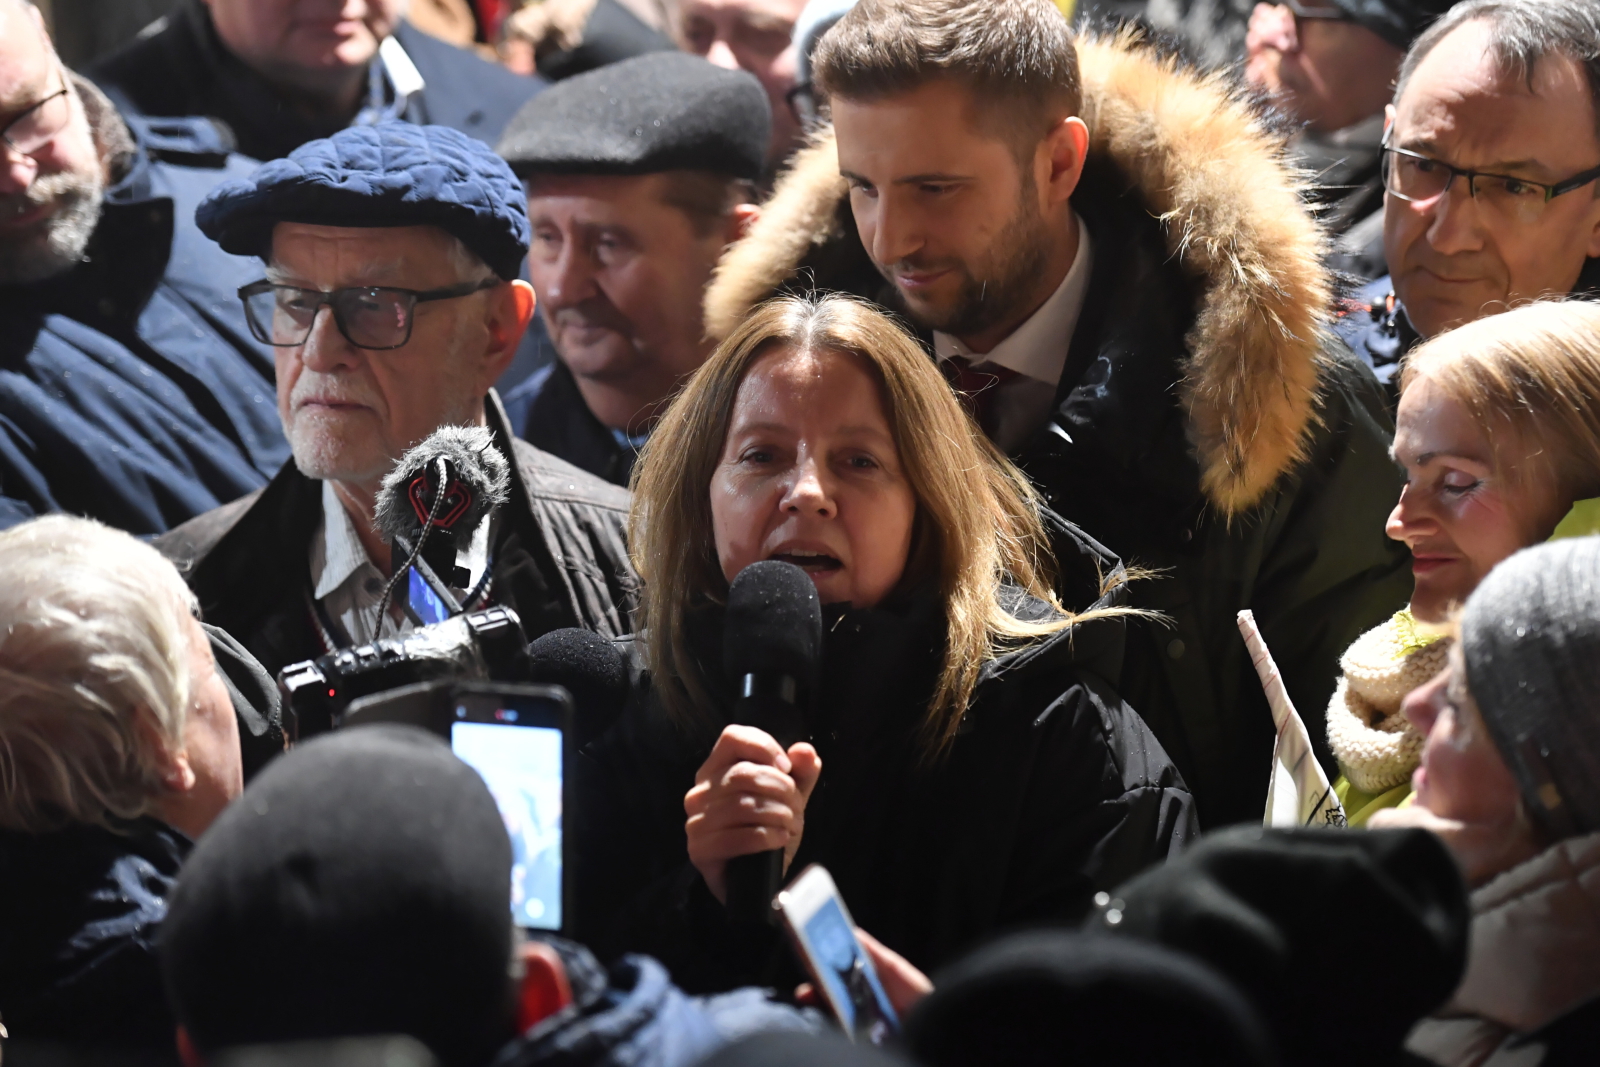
(558, 554)
(1054, 789)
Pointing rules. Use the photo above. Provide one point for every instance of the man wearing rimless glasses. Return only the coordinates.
(1491, 161)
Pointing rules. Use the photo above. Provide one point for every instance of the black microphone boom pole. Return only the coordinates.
(772, 641)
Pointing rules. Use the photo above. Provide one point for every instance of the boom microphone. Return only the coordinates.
(432, 502)
(771, 644)
(592, 669)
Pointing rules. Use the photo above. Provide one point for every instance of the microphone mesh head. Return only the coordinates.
(773, 623)
(476, 465)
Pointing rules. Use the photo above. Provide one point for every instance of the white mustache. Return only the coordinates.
(325, 389)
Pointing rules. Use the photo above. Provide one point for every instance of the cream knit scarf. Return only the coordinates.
(1377, 748)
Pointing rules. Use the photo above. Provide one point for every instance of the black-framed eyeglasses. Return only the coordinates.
(40, 124)
(1419, 179)
(375, 317)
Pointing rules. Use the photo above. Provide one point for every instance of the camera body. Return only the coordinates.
(484, 645)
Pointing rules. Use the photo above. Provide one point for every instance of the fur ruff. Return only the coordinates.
(1216, 177)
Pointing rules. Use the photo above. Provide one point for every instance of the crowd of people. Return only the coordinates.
(1046, 339)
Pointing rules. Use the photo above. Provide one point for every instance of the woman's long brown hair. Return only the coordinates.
(978, 519)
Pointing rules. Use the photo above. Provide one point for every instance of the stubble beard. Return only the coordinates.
(56, 244)
(1019, 255)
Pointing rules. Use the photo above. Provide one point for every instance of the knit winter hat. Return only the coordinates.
(1530, 635)
(360, 885)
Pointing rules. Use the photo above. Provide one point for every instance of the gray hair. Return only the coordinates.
(92, 637)
(1523, 32)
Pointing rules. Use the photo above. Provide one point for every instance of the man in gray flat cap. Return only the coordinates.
(392, 301)
(638, 175)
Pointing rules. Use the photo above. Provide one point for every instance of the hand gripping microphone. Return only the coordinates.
(431, 504)
(771, 645)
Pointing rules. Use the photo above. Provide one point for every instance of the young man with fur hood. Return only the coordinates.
(1115, 266)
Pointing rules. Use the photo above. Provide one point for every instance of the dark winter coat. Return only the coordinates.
(79, 911)
(1207, 425)
(131, 390)
(1374, 323)
(557, 553)
(181, 67)
(547, 410)
(1054, 789)
(632, 1015)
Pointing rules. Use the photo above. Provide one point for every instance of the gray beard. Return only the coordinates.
(57, 244)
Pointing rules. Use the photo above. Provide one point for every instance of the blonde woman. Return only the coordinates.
(1499, 433)
(969, 768)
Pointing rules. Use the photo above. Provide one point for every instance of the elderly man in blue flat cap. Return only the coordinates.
(392, 299)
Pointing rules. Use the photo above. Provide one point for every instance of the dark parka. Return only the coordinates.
(557, 553)
(1374, 323)
(1053, 789)
(1207, 426)
(131, 390)
(181, 67)
(549, 412)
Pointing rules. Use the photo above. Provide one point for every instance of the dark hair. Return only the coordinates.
(1523, 32)
(706, 197)
(1016, 57)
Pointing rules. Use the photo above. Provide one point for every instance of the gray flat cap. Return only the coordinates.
(656, 112)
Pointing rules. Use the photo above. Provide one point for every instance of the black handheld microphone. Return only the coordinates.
(592, 669)
(771, 644)
(463, 464)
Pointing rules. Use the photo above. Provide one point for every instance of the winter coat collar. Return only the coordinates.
(1228, 204)
(1535, 954)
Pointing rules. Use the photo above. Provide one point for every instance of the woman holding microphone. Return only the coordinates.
(968, 768)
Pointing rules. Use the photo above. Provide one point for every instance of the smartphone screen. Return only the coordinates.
(522, 767)
(841, 964)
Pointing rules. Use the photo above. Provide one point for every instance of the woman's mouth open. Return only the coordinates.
(816, 564)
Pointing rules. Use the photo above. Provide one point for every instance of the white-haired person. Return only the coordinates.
(1510, 779)
(1499, 435)
(118, 746)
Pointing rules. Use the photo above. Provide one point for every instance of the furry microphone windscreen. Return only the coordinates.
(476, 467)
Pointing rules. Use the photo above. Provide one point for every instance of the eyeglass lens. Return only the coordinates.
(1422, 180)
(34, 129)
(368, 318)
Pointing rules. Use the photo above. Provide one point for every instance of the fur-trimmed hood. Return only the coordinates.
(1215, 176)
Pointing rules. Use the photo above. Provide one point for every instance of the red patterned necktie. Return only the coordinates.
(977, 387)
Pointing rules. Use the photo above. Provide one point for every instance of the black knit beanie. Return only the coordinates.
(360, 885)
(1530, 636)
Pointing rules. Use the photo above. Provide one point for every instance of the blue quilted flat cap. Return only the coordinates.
(391, 174)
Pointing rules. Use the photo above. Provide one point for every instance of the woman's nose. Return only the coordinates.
(1410, 518)
(1423, 704)
(809, 494)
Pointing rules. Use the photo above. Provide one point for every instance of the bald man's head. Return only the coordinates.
(52, 180)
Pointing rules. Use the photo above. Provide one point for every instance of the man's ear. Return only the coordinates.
(510, 312)
(1067, 147)
(740, 219)
(188, 1055)
(544, 989)
(176, 773)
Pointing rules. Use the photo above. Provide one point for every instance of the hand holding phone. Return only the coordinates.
(824, 935)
